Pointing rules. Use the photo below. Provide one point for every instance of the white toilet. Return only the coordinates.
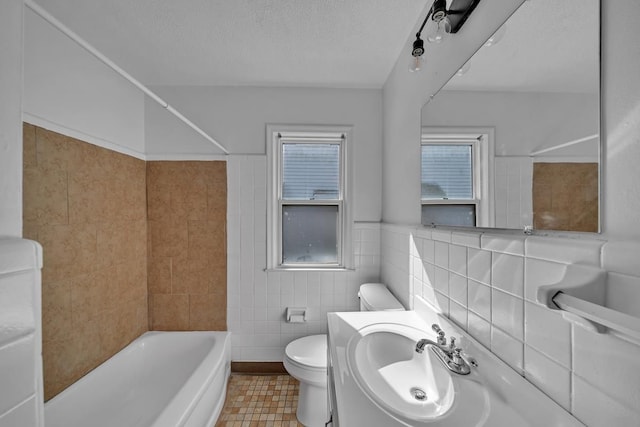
(306, 358)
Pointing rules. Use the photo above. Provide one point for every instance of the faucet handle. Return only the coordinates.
(437, 330)
(457, 356)
(441, 339)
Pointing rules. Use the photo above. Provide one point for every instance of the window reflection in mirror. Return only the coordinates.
(536, 84)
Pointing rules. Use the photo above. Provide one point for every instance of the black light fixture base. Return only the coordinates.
(418, 47)
(457, 15)
(459, 12)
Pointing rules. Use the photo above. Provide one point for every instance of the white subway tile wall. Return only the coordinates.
(566, 251)
(547, 332)
(513, 191)
(549, 376)
(593, 406)
(258, 299)
(594, 376)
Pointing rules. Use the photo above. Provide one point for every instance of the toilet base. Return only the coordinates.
(312, 405)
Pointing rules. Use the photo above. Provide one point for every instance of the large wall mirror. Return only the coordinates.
(513, 139)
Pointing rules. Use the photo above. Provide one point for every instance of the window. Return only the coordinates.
(308, 221)
(455, 185)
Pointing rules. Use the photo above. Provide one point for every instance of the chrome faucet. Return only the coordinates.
(441, 341)
(450, 355)
(420, 345)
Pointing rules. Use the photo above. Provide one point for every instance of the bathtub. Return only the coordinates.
(161, 379)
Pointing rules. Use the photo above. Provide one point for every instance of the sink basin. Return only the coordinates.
(405, 383)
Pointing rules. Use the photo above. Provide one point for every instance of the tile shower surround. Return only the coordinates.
(87, 207)
(187, 245)
(487, 284)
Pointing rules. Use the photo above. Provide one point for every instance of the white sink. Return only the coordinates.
(375, 372)
(412, 387)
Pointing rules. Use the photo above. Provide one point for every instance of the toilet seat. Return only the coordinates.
(308, 352)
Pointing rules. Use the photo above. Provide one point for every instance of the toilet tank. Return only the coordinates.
(376, 297)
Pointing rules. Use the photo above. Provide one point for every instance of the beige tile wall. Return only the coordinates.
(186, 210)
(565, 196)
(87, 207)
(128, 246)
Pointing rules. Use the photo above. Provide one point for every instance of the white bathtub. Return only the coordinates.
(162, 379)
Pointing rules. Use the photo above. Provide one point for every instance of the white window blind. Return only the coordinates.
(447, 171)
(310, 171)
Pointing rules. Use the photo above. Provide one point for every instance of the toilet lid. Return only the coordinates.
(376, 297)
(309, 351)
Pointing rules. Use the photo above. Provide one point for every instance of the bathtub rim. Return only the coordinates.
(223, 351)
(221, 356)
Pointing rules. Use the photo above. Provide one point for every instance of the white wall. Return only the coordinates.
(69, 91)
(237, 118)
(10, 118)
(621, 106)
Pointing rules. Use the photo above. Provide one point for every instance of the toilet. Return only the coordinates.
(306, 358)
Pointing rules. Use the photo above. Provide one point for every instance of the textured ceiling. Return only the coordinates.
(324, 43)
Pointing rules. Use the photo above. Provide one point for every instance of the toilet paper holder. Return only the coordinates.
(296, 314)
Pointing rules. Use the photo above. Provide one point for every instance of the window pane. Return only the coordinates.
(447, 172)
(309, 234)
(310, 171)
(463, 215)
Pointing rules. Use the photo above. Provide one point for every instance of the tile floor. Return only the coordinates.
(260, 400)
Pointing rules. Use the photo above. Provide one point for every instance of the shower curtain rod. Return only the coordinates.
(93, 51)
(564, 144)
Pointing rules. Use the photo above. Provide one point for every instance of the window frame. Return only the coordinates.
(482, 142)
(276, 136)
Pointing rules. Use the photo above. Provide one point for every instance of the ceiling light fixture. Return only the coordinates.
(442, 26)
(444, 22)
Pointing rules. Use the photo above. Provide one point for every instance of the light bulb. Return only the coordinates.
(439, 31)
(416, 54)
(416, 63)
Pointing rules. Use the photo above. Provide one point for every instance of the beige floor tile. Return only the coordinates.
(260, 400)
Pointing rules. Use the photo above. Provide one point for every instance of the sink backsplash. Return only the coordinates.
(486, 283)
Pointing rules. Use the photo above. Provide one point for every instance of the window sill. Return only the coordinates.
(307, 268)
